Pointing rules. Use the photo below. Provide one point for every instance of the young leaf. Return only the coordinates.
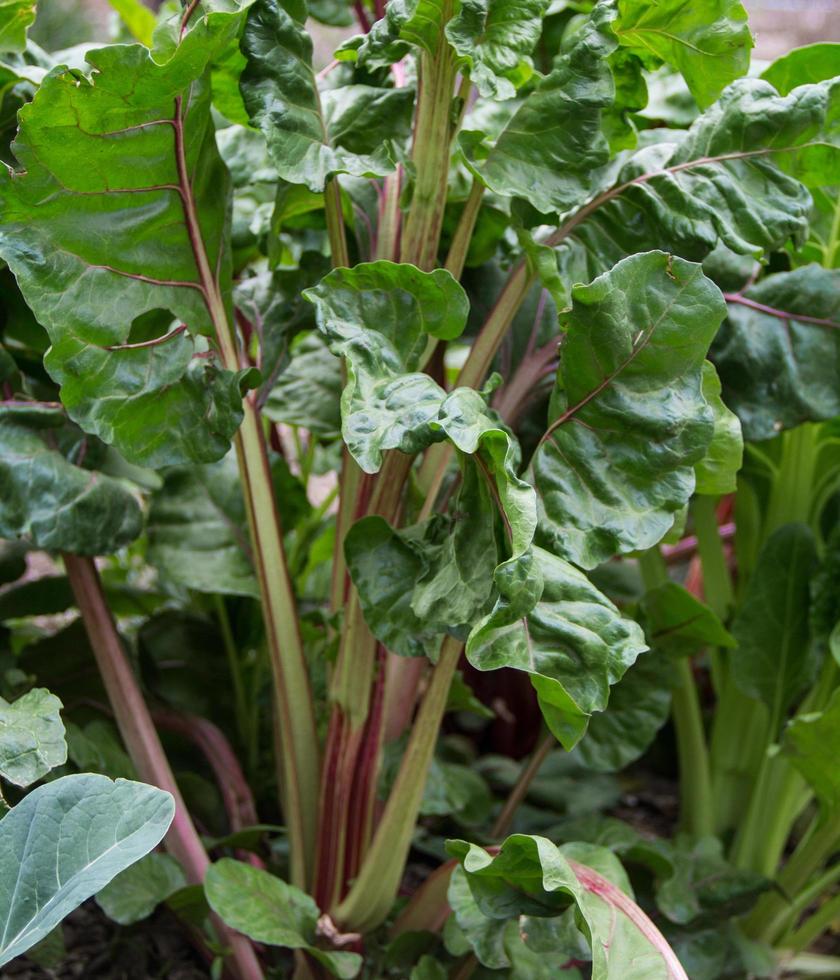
(773, 661)
(136, 892)
(551, 622)
(269, 911)
(137, 18)
(779, 370)
(709, 43)
(308, 143)
(495, 38)
(16, 17)
(715, 474)
(64, 842)
(379, 317)
(811, 742)
(803, 66)
(530, 876)
(31, 737)
(52, 502)
(100, 229)
(628, 416)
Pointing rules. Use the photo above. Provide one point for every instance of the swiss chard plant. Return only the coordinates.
(421, 439)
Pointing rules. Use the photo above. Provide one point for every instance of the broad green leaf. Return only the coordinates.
(406, 23)
(428, 968)
(716, 473)
(773, 662)
(97, 748)
(94, 228)
(31, 737)
(64, 842)
(47, 499)
(678, 623)
(811, 742)
(495, 38)
(269, 911)
(313, 137)
(136, 892)
(803, 66)
(551, 622)
(777, 370)
(379, 317)
(137, 17)
(551, 148)
(628, 419)
(709, 42)
(307, 391)
(639, 706)
(16, 17)
(530, 876)
(197, 529)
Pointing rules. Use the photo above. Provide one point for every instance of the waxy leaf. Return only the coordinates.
(31, 737)
(16, 17)
(99, 230)
(530, 876)
(495, 38)
(551, 622)
(812, 742)
(551, 148)
(197, 529)
(628, 418)
(709, 43)
(379, 316)
(773, 661)
(48, 500)
(136, 892)
(779, 370)
(716, 472)
(269, 911)
(312, 137)
(64, 842)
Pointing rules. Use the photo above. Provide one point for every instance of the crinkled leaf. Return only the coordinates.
(803, 66)
(307, 391)
(709, 42)
(64, 842)
(551, 148)
(31, 737)
(197, 532)
(773, 661)
(379, 317)
(16, 17)
(530, 876)
(779, 371)
(495, 39)
(812, 743)
(678, 623)
(136, 892)
(312, 137)
(716, 473)
(551, 622)
(628, 418)
(639, 706)
(270, 911)
(94, 230)
(51, 502)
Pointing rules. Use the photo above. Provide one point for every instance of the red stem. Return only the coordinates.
(742, 300)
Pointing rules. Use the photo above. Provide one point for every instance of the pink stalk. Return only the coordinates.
(142, 742)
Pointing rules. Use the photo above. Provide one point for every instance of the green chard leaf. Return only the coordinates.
(312, 137)
(716, 472)
(270, 911)
(550, 151)
(811, 742)
(31, 737)
(95, 229)
(530, 876)
(136, 892)
(64, 842)
(628, 419)
(16, 17)
(495, 38)
(774, 662)
(379, 316)
(50, 501)
(803, 66)
(551, 622)
(708, 43)
(779, 351)
(678, 623)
